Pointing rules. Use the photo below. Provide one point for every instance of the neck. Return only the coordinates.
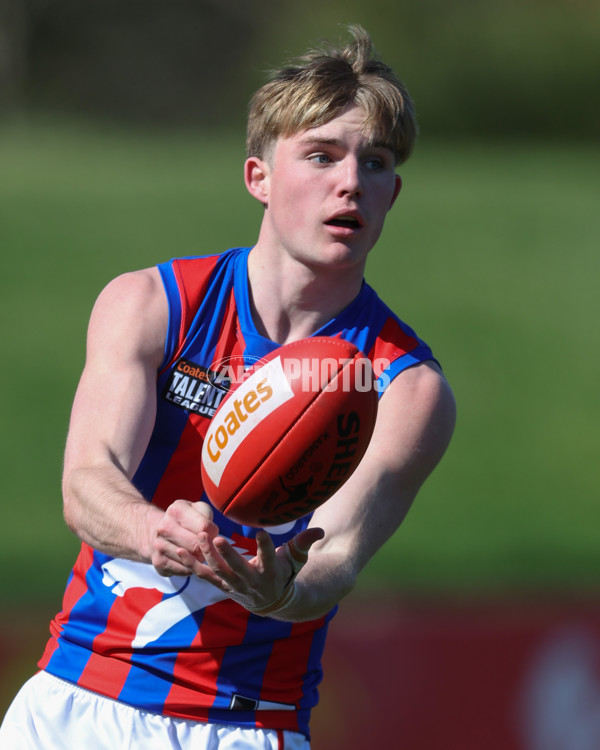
(291, 301)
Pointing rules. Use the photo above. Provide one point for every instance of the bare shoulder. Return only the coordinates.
(425, 384)
(131, 311)
(135, 291)
(417, 416)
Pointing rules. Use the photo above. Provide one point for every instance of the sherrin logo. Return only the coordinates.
(257, 397)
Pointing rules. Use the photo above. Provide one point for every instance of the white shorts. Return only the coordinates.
(52, 714)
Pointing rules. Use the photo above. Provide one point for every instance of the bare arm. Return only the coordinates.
(414, 426)
(111, 423)
(112, 417)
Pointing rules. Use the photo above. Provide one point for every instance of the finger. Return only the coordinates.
(172, 569)
(194, 517)
(214, 558)
(204, 509)
(237, 563)
(265, 551)
(180, 526)
(194, 562)
(171, 538)
(170, 564)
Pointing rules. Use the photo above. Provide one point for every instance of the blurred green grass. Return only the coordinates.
(491, 254)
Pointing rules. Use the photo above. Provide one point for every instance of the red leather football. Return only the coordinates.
(291, 433)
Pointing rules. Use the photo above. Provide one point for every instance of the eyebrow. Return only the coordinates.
(337, 142)
(321, 141)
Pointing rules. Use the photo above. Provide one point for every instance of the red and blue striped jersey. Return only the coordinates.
(176, 645)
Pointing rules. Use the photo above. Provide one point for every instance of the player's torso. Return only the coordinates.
(177, 645)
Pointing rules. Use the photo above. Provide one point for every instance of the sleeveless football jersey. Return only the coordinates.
(176, 645)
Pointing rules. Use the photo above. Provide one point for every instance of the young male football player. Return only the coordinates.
(180, 628)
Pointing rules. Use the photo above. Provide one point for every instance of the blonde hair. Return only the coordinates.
(318, 86)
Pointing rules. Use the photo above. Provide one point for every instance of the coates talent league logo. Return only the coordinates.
(200, 389)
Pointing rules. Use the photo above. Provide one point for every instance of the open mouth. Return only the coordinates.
(348, 222)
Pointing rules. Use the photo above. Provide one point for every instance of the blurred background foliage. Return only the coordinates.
(121, 144)
(504, 69)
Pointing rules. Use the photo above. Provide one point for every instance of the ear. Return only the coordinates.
(397, 189)
(256, 178)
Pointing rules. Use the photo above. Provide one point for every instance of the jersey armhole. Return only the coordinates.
(175, 311)
(416, 356)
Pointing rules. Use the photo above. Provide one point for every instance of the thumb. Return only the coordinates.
(299, 546)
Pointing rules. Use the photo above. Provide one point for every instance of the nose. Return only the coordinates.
(350, 177)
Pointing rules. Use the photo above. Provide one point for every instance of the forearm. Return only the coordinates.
(104, 510)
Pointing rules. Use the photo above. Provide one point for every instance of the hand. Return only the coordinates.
(258, 582)
(176, 545)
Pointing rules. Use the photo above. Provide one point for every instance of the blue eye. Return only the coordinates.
(375, 164)
(320, 158)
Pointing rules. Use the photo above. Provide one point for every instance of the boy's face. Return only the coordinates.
(327, 191)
